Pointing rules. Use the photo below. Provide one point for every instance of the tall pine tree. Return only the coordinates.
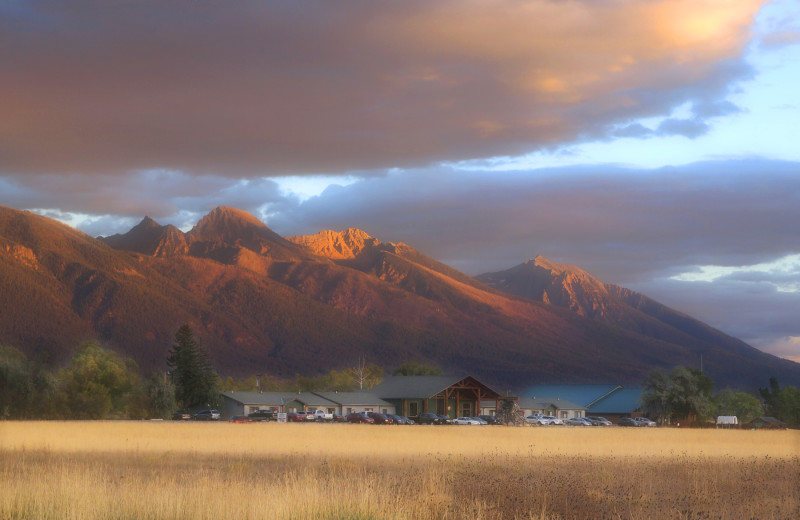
(191, 371)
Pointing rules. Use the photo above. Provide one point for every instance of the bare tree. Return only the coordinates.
(365, 374)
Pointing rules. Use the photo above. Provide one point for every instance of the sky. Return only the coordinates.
(652, 143)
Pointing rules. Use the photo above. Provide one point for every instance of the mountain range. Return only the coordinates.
(264, 304)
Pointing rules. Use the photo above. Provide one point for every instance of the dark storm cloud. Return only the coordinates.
(248, 88)
(621, 224)
(635, 228)
(753, 311)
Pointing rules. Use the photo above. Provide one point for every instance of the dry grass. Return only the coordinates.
(121, 470)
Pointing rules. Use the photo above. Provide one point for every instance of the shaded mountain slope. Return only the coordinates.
(263, 304)
(724, 358)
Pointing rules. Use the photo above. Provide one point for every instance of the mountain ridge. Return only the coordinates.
(263, 303)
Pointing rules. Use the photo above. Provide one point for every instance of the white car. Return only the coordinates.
(465, 420)
(533, 419)
(549, 419)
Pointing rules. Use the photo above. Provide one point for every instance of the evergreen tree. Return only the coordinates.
(191, 371)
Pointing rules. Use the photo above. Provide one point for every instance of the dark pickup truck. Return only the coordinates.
(262, 415)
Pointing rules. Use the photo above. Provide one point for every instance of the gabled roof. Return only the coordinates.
(597, 399)
(581, 394)
(624, 400)
(277, 398)
(354, 398)
(421, 387)
(542, 403)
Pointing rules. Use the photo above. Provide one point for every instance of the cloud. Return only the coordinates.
(621, 224)
(104, 205)
(256, 89)
(635, 228)
(728, 222)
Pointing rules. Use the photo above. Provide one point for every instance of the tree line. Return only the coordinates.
(100, 384)
(685, 395)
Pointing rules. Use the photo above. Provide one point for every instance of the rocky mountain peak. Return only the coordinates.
(226, 224)
(147, 223)
(338, 245)
(148, 237)
(562, 285)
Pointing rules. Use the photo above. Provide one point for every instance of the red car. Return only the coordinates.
(380, 418)
(360, 417)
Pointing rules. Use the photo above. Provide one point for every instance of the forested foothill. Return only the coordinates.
(98, 383)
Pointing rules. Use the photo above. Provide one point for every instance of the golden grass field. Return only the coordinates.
(167, 470)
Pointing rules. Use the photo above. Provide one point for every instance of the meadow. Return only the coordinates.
(167, 470)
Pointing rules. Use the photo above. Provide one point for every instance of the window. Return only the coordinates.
(413, 408)
(349, 411)
(385, 410)
(564, 414)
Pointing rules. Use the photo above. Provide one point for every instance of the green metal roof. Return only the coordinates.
(417, 387)
(597, 399)
(622, 401)
(354, 398)
(277, 398)
(542, 403)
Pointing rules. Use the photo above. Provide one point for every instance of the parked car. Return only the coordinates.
(599, 421)
(445, 419)
(380, 418)
(429, 418)
(296, 417)
(181, 415)
(490, 419)
(480, 421)
(549, 420)
(360, 418)
(400, 419)
(627, 421)
(644, 421)
(577, 421)
(465, 420)
(262, 415)
(239, 419)
(533, 418)
(206, 415)
(322, 415)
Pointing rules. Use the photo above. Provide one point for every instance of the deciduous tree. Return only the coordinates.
(97, 383)
(365, 375)
(417, 369)
(684, 395)
(782, 403)
(26, 388)
(745, 407)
